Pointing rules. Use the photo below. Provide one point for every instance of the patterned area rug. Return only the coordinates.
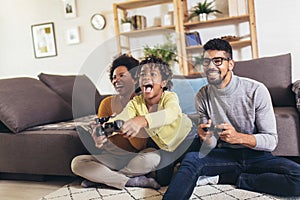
(74, 191)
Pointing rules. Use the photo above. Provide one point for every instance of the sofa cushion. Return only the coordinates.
(274, 72)
(78, 90)
(27, 102)
(186, 88)
(287, 121)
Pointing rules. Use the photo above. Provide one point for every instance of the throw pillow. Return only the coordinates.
(78, 90)
(186, 89)
(27, 102)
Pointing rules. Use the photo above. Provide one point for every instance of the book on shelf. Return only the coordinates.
(193, 39)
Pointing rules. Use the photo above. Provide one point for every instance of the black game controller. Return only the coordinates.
(213, 129)
(108, 128)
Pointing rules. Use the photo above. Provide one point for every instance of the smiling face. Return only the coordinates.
(151, 83)
(123, 81)
(218, 75)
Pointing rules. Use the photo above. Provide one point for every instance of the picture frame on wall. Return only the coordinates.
(43, 37)
(72, 36)
(69, 8)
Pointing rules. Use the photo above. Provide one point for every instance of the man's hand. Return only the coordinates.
(205, 135)
(230, 135)
(133, 126)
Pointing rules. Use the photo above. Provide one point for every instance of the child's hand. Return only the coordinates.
(133, 126)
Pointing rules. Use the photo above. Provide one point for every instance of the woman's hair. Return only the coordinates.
(124, 60)
(163, 67)
(220, 45)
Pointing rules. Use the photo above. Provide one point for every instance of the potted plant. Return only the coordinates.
(166, 51)
(202, 10)
(126, 24)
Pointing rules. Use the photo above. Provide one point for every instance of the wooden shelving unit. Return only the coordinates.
(217, 22)
(235, 44)
(181, 26)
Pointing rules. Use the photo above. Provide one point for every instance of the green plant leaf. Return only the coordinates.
(205, 7)
(165, 51)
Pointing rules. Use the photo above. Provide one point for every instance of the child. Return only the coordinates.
(119, 161)
(156, 113)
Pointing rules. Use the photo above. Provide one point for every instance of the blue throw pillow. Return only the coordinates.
(186, 90)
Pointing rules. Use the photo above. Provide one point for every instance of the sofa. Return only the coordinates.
(29, 103)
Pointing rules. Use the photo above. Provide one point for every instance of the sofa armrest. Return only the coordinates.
(296, 90)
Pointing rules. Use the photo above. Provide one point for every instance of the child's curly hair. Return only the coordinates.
(163, 67)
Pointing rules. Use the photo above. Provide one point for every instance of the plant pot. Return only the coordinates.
(126, 27)
(203, 17)
(195, 19)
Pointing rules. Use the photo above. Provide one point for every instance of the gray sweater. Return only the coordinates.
(246, 105)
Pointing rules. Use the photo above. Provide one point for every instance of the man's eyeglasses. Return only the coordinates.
(216, 60)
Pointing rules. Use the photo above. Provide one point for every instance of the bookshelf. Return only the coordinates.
(182, 26)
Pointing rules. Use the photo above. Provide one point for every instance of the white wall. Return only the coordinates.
(277, 27)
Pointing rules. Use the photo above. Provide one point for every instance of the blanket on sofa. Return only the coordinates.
(66, 125)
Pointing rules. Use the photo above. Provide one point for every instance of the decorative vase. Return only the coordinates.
(203, 17)
(126, 27)
(168, 19)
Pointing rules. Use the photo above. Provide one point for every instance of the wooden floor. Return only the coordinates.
(31, 190)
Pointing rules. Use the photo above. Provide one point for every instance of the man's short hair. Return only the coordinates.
(220, 45)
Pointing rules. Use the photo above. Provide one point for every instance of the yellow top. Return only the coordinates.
(168, 126)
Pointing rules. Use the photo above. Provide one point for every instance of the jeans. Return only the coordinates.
(165, 169)
(257, 171)
(168, 160)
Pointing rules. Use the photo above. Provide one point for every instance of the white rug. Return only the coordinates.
(74, 191)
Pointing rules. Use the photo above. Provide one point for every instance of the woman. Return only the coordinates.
(122, 161)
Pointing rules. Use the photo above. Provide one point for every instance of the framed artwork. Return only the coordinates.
(72, 35)
(43, 37)
(69, 8)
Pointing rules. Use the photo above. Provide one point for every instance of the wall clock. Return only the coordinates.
(98, 21)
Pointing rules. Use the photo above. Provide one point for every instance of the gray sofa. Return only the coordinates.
(29, 102)
(276, 73)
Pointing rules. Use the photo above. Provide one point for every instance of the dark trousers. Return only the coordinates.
(257, 171)
(168, 160)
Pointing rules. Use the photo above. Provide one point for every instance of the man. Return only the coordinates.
(238, 129)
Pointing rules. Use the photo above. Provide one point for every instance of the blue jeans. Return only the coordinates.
(168, 160)
(257, 171)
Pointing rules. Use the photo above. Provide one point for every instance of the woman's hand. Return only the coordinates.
(99, 141)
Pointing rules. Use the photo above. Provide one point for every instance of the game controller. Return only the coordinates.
(108, 128)
(213, 129)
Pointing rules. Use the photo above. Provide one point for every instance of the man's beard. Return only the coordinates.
(218, 79)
